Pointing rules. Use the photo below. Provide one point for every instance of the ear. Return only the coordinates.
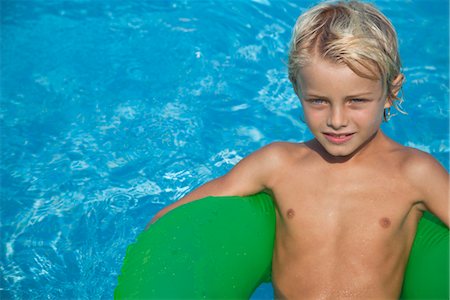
(387, 103)
(396, 85)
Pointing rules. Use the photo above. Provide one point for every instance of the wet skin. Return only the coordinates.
(347, 205)
(342, 233)
(348, 201)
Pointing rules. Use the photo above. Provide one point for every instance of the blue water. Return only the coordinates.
(112, 109)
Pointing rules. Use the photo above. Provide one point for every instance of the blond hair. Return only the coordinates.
(352, 33)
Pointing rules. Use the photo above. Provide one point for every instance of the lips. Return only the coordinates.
(338, 138)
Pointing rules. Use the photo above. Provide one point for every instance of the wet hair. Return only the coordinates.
(352, 33)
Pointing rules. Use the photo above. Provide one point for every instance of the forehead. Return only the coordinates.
(323, 76)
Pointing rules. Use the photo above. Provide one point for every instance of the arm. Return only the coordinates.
(433, 182)
(251, 175)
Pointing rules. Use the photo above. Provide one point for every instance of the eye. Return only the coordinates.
(316, 101)
(358, 100)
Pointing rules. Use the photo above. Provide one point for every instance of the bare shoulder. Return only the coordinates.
(431, 181)
(419, 165)
(429, 178)
(284, 152)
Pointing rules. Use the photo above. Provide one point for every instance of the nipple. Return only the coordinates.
(290, 213)
(385, 222)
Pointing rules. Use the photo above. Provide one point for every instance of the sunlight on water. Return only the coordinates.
(112, 110)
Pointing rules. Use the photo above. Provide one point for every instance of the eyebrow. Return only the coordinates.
(362, 94)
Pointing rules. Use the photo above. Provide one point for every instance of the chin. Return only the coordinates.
(340, 151)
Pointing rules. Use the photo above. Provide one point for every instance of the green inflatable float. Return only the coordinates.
(221, 247)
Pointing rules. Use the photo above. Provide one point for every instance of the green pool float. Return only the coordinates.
(221, 247)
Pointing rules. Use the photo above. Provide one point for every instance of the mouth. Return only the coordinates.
(338, 138)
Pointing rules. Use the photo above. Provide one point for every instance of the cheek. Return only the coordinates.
(369, 117)
(312, 116)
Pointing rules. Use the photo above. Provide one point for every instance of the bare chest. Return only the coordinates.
(341, 225)
(344, 201)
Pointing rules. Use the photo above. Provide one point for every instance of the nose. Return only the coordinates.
(337, 118)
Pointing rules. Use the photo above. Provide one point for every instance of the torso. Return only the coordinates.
(344, 230)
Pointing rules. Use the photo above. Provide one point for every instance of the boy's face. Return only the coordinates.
(342, 109)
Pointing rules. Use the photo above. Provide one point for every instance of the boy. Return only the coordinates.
(348, 201)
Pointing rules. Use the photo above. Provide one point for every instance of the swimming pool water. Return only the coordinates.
(112, 109)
